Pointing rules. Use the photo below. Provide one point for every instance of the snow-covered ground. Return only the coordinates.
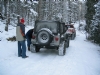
(81, 58)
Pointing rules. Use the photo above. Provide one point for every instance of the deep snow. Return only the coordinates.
(81, 58)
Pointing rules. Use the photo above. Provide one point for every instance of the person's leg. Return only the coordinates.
(23, 49)
(19, 49)
(28, 42)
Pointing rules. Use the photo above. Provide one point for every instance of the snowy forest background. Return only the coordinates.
(68, 11)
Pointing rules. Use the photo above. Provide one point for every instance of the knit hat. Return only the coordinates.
(22, 20)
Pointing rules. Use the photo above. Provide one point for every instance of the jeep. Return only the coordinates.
(50, 35)
(71, 31)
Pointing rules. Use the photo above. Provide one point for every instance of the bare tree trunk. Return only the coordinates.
(5, 6)
(18, 18)
(39, 9)
(18, 10)
(28, 17)
(7, 20)
(1, 6)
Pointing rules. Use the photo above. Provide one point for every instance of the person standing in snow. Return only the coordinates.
(20, 37)
(28, 37)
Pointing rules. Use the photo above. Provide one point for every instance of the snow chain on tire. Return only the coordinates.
(32, 48)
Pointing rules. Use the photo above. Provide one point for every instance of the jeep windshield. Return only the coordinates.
(50, 25)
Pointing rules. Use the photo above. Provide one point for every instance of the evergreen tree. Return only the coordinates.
(90, 12)
(95, 25)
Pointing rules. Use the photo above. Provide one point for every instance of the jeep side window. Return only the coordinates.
(61, 28)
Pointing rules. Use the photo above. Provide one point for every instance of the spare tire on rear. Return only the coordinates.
(44, 37)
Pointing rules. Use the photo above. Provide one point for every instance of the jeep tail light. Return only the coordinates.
(33, 37)
(56, 38)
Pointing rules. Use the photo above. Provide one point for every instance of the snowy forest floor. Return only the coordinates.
(81, 58)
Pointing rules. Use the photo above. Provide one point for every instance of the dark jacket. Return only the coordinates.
(29, 33)
(20, 32)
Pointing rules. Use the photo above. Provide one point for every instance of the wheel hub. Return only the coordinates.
(44, 37)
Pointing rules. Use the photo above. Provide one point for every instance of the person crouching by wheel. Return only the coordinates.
(28, 37)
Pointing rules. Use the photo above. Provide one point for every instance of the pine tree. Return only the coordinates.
(95, 25)
(90, 12)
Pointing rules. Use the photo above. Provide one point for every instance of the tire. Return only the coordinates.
(37, 49)
(33, 48)
(44, 37)
(62, 49)
(72, 37)
(75, 34)
(67, 43)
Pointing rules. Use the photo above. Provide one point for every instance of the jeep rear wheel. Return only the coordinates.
(73, 37)
(44, 37)
(67, 43)
(62, 49)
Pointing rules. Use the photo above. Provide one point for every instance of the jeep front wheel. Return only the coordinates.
(34, 49)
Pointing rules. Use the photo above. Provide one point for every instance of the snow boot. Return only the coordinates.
(28, 48)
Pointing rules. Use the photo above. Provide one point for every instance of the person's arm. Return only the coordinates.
(22, 30)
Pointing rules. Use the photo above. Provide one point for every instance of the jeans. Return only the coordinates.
(22, 48)
(28, 41)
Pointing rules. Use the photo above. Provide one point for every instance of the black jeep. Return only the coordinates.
(51, 35)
